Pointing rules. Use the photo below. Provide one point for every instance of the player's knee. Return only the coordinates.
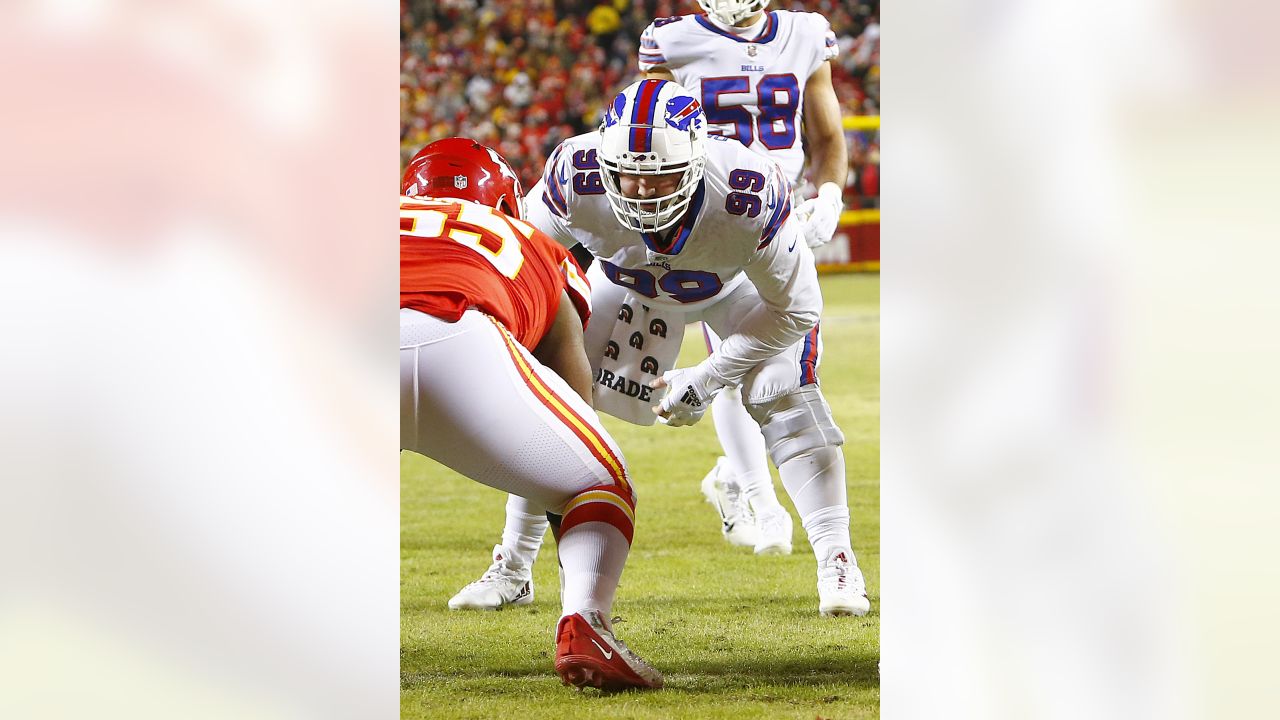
(796, 423)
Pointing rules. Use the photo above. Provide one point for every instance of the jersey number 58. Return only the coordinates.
(777, 96)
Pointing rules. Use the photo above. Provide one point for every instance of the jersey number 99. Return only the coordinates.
(684, 286)
(586, 181)
(749, 184)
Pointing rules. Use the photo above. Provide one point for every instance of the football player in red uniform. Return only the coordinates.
(494, 383)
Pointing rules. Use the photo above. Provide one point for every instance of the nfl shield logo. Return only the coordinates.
(752, 50)
(460, 181)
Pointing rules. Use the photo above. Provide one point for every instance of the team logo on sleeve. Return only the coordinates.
(684, 112)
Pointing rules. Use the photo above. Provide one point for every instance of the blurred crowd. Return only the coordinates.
(522, 75)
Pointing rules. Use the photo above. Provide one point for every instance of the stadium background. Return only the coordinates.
(522, 75)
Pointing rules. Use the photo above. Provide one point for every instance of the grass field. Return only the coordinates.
(737, 636)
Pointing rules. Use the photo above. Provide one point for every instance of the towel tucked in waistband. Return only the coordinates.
(644, 344)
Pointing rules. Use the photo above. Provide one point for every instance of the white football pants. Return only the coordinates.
(476, 401)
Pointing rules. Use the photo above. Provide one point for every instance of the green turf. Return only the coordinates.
(737, 636)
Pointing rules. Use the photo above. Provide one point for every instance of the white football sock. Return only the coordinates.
(744, 449)
(828, 528)
(815, 482)
(592, 556)
(525, 528)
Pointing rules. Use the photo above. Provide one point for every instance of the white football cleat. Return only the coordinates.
(736, 521)
(841, 589)
(773, 531)
(506, 582)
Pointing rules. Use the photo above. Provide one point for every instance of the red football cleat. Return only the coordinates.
(588, 655)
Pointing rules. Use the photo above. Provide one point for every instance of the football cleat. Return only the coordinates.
(736, 521)
(773, 531)
(588, 655)
(506, 582)
(841, 589)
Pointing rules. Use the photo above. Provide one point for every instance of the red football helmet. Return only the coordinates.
(465, 170)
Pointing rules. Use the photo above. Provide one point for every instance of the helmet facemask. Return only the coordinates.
(730, 12)
(656, 213)
(672, 142)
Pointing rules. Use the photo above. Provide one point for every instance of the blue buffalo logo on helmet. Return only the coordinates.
(613, 114)
(653, 127)
(684, 112)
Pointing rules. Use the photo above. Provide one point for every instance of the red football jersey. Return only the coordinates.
(456, 254)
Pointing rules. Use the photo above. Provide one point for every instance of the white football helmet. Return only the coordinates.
(653, 127)
(731, 11)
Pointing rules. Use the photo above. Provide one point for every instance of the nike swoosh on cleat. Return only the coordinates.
(608, 654)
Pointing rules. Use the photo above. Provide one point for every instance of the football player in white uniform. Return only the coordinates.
(704, 227)
(758, 74)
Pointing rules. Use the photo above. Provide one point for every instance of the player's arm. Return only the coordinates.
(548, 205)
(561, 349)
(652, 59)
(787, 281)
(785, 277)
(827, 155)
(782, 269)
(547, 202)
(824, 130)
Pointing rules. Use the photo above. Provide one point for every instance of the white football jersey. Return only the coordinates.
(739, 228)
(751, 89)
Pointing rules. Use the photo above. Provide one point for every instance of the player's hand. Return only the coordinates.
(689, 394)
(820, 215)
